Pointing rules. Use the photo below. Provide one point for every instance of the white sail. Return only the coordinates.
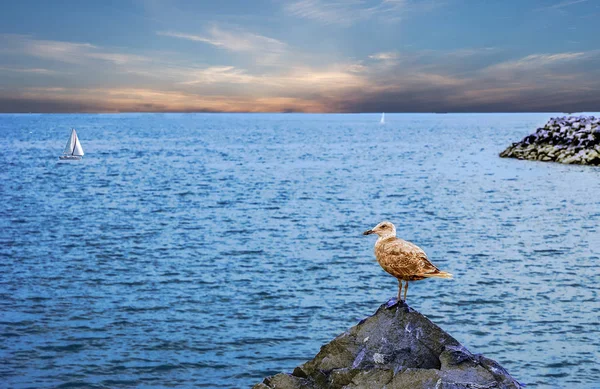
(70, 141)
(73, 147)
(382, 121)
(77, 149)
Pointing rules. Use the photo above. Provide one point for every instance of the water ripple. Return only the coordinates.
(204, 250)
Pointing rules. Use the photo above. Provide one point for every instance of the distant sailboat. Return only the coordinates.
(382, 121)
(73, 149)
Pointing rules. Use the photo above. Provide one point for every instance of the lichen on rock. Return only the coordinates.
(395, 348)
(570, 140)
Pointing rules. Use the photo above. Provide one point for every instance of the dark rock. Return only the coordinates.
(395, 348)
(573, 135)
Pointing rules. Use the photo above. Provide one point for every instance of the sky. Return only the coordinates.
(300, 56)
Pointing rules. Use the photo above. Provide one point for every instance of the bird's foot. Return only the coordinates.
(393, 302)
(396, 302)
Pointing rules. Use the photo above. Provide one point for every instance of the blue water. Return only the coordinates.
(212, 250)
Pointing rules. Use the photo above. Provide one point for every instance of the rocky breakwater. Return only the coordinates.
(572, 140)
(396, 348)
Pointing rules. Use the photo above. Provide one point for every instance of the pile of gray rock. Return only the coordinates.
(396, 348)
(572, 140)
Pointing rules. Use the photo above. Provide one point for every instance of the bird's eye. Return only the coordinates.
(384, 226)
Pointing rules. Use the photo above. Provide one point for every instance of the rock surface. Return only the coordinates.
(572, 140)
(396, 348)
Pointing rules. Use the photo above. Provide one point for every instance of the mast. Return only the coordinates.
(74, 144)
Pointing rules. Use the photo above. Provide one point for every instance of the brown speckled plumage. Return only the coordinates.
(403, 260)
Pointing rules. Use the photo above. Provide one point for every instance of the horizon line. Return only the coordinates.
(284, 112)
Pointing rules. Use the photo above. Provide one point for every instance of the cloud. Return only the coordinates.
(264, 50)
(217, 75)
(41, 71)
(233, 40)
(299, 81)
(36, 90)
(388, 80)
(190, 37)
(291, 79)
(536, 82)
(67, 52)
(334, 78)
(564, 4)
(213, 88)
(145, 100)
(535, 62)
(385, 56)
(55, 50)
(348, 12)
(117, 58)
(334, 12)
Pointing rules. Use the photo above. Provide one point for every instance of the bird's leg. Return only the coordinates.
(405, 290)
(392, 303)
(400, 290)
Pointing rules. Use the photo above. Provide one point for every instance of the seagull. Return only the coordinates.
(404, 260)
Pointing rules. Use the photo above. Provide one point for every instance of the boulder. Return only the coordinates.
(395, 348)
(570, 140)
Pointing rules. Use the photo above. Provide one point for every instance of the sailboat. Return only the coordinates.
(73, 149)
(382, 121)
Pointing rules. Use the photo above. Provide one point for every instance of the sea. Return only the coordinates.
(213, 250)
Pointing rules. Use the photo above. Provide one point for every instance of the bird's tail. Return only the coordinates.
(439, 274)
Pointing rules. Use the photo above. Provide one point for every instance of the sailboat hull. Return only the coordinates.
(69, 157)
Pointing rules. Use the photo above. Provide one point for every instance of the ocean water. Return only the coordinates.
(212, 250)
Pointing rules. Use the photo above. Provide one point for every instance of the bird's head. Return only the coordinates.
(384, 229)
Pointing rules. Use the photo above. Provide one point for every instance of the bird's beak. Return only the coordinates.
(369, 232)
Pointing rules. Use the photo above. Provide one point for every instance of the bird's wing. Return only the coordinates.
(406, 258)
